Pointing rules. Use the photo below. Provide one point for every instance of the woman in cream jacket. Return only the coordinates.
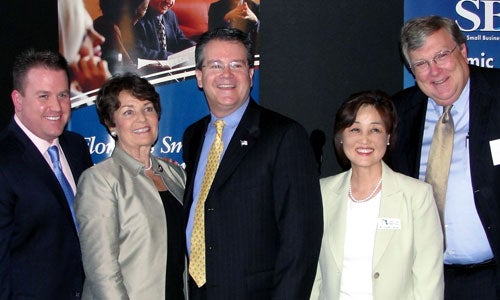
(129, 207)
(382, 237)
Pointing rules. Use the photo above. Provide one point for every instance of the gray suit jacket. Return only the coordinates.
(407, 262)
(123, 229)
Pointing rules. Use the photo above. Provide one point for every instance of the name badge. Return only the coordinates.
(495, 151)
(389, 223)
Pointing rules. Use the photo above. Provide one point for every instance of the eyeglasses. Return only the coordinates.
(440, 59)
(219, 67)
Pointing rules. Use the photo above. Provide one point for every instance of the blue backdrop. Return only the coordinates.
(182, 103)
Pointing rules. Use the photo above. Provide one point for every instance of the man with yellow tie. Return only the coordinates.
(449, 136)
(252, 197)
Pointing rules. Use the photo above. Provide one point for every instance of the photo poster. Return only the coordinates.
(479, 21)
(182, 102)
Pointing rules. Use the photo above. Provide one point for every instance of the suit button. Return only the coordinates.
(376, 275)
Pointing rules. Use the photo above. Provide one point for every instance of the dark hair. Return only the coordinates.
(346, 116)
(30, 59)
(111, 8)
(107, 101)
(117, 9)
(222, 34)
(415, 32)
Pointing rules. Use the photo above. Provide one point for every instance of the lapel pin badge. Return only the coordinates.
(243, 143)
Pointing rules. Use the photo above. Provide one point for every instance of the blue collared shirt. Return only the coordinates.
(466, 240)
(231, 122)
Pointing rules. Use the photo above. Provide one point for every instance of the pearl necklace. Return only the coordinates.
(150, 165)
(369, 196)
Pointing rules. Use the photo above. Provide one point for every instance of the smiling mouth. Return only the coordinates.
(438, 82)
(364, 150)
(226, 86)
(142, 130)
(53, 118)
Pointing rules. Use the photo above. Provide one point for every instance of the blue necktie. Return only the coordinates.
(68, 191)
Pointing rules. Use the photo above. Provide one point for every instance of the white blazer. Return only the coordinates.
(407, 262)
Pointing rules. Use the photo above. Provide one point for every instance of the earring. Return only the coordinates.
(113, 133)
(341, 142)
(388, 143)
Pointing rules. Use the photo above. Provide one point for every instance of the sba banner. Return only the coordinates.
(479, 20)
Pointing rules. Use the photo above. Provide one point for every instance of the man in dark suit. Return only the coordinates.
(436, 52)
(39, 249)
(147, 32)
(263, 213)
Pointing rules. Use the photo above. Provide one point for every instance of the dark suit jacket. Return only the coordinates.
(263, 214)
(484, 126)
(147, 41)
(39, 249)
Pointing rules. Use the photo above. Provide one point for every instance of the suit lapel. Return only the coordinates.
(35, 162)
(415, 134)
(33, 159)
(390, 207)
(479, 106)
(411, 111)
(74, 165)
(195, 143)
(244, 139)
(335, 206)
(335, 209)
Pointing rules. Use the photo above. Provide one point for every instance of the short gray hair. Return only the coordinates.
(415, 32)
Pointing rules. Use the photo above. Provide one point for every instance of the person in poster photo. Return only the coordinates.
(116, 25)
(148, 32)
(81, 44)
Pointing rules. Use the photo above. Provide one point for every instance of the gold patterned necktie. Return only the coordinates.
(438, 164)
(197, 268)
